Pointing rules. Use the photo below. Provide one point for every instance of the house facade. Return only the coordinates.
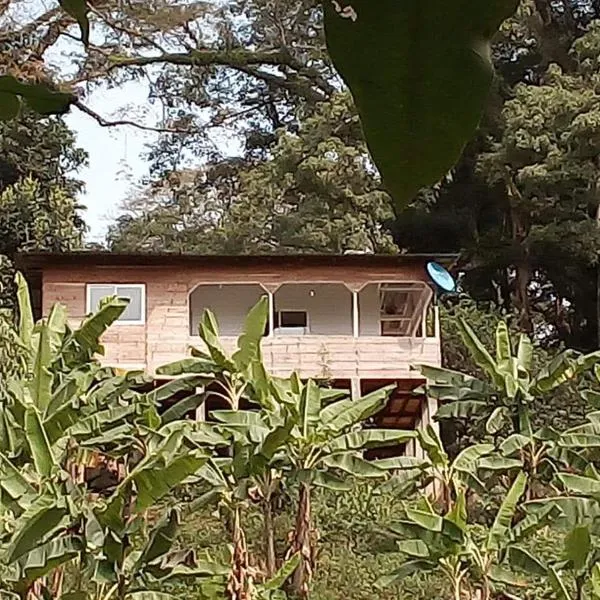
(361, 321)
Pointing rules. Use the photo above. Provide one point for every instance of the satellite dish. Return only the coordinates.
(440, 276)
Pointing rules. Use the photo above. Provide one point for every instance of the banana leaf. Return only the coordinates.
(420, 74)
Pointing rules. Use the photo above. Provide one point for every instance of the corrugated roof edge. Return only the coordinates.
(31, 261)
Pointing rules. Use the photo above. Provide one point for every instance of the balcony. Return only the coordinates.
(344, 357)
(329, 330)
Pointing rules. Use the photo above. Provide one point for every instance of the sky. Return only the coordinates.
(116, 160)
(116, 154)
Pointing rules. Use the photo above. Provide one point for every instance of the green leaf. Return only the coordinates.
(560, 370)
(170, 389)
(352, 464)
(41, 518)
(480, 355)
(182, 407)
(151, 595)
(461, 409)
(341, 415)
(156, 481)
(415, 548)
(580, 440)
(11, 479)
(458, 514)
(498, 533)
(586, 486)
(309, 407)
(329, 481)
(431, 86)
(187, 366)
(275, 441)
(468, 458)
(559, 586)
(523, 560)
(573, 510)
(46, 558)
(78, 9)
(497, 420)
(499, 463)
(209, 332)
(283, 573)
(39, 444)
(253, 332)
(40, 97)
(513, 444)
(10, 106)
(161, 540)
(577, 547)
(371, 438)
(525, 353)
(40, 386)
(503, 347)
(25, 313)
(93, 327)
(405, 570)
(595, 579)
(431, 443)
(427, 520)
(502, 575)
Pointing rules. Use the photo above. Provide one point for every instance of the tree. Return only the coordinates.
(44, 149)
(521, 204)
(38, 186)
(315, 191)
(35, 216)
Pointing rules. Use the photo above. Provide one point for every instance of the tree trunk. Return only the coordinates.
(239, 585)
(269, 537)
(302, 544)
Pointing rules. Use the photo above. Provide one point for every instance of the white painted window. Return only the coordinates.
(134, 314)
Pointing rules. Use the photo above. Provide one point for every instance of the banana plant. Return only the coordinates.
(83, 456)
(299, 434)
(474, 469)
(503, 401)
(476, 561)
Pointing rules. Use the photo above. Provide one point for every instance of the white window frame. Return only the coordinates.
(141, 286)
(281, 330)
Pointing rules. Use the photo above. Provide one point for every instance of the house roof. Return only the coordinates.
(38, 261)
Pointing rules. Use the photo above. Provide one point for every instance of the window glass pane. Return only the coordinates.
(97, 292)
(133, 312)
(292, 318)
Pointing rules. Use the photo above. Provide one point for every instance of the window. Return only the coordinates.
(291, 321)
(396, 309)
(134, 314)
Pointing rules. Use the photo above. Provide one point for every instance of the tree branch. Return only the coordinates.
(200, 58)
(103, 122)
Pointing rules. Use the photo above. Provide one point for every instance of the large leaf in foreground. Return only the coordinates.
(420, 74)
(38, 96)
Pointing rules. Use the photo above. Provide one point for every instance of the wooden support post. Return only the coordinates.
(355, 388)
(355, 315)
(271, 313)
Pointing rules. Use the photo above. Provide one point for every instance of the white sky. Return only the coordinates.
(115, 161)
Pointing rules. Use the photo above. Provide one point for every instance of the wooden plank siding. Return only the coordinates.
(165, 335)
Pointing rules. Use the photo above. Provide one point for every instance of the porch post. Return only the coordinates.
(355, 315)
(271, 312)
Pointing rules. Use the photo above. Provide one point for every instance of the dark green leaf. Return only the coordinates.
(78, 9)
(431, 86)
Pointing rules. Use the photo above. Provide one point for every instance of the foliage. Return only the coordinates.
(431, 86)
(316, 192)
(299, 436)
(521, 204)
